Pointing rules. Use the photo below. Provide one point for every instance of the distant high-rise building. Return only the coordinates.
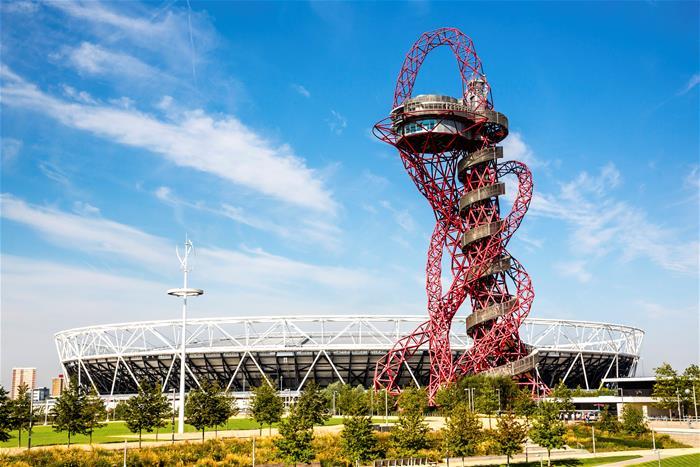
(57, 385)
(40, 394)
(22, 376)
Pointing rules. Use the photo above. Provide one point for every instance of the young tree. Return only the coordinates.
(266, 406)
(20, 411)
(562, 396)
(5, 415)
(691, 383)
(448, 397)
(548, 430)
(357, 440)
(633, 420)
(146, 410)
(410, 434)
(69, 411)
(295, 445)
(608, 422)
(511, 435)
(665, 388)
(486, 399)
(311, 405)
(208, 406)
(94, 412)
(523, 404)
(463, 431)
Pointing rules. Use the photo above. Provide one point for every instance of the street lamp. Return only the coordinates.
(678, 399)
(695, 402)
(499, 400)
(183, 292)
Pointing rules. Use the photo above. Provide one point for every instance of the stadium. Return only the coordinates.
(241, 352)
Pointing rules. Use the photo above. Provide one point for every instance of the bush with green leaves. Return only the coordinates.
(608, 422)
(296, 444)
(357, 440)
(311, 404)
(5, 415)
(633, 420)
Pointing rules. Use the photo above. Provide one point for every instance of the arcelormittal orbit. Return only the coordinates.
(449, 149)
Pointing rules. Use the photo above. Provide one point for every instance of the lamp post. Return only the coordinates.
(183, 292)
(499, 400)
(678, 399)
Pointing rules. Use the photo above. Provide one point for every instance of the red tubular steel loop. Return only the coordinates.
(496, 340)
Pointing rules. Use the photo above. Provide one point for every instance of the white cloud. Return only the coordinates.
(515, 148)
(11, 148)
(301, 90)
(93, 59)
(80, 96)
(401, 216)
(693, 81)
(337, 123)
(602, 225)
(222, 146)
(94, 235)
(575, 269)
(85, 209)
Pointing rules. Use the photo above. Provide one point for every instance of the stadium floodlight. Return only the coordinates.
(184, 292)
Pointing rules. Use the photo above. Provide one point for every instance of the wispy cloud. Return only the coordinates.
(693, 81)
(11, 148)
(576, 269)
(93, 59)
(602, 225)
(515, 148)
(301, 90)
(401, 216)
(224, 146)
(87, 232)
(337, 123)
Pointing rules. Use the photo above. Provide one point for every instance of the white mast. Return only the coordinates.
(183, 292)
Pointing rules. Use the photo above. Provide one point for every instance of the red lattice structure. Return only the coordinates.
(449, 149)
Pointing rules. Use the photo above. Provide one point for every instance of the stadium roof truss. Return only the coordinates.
(240, 352)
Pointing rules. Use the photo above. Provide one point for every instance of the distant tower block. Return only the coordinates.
(448, 147)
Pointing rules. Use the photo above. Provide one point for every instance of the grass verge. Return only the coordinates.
(689, 460)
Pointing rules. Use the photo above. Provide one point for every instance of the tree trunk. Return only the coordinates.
(90, 437)
(19, 437)
(270, 432)
(139, 439)
(549, 457)
(68, 438)
(202, 434)
(508, 460)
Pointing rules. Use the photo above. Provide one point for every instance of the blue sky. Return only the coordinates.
(247, 125)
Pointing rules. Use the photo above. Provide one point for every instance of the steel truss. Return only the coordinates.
(443, 141)
(244, 352)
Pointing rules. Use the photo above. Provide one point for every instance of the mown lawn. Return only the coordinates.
(576, 462)
(579, 436)
(114, 432)
(689, 460)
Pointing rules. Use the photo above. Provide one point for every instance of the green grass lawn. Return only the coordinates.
(114, 432)
(577, 462)
(689, 460)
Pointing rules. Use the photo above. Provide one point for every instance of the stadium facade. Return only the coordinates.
(241, 353)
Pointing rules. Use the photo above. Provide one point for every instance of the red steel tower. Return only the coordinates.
(449, 149)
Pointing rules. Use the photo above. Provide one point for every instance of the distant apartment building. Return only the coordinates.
(22, 376)
(57, 385)
(40, 394)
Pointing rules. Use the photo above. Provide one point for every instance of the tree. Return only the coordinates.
(510, 435)
(94, 412)
(266, 406)
(633, 420)
(357, 440)
(20, 411)
(608, 422)
(562, 396)
(295, 445)
(5, 415)
(69, 411)
(548, 430)
(486, 399)
(146, 410)
(463, 431)
(208, 406)
(448, 397)
(691, 383)
(523, 404)
(311, 405)
(665, 388)
(409, 435)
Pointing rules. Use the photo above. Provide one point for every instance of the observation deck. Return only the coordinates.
(432, 123)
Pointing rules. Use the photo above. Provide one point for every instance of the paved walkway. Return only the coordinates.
(646, 455)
